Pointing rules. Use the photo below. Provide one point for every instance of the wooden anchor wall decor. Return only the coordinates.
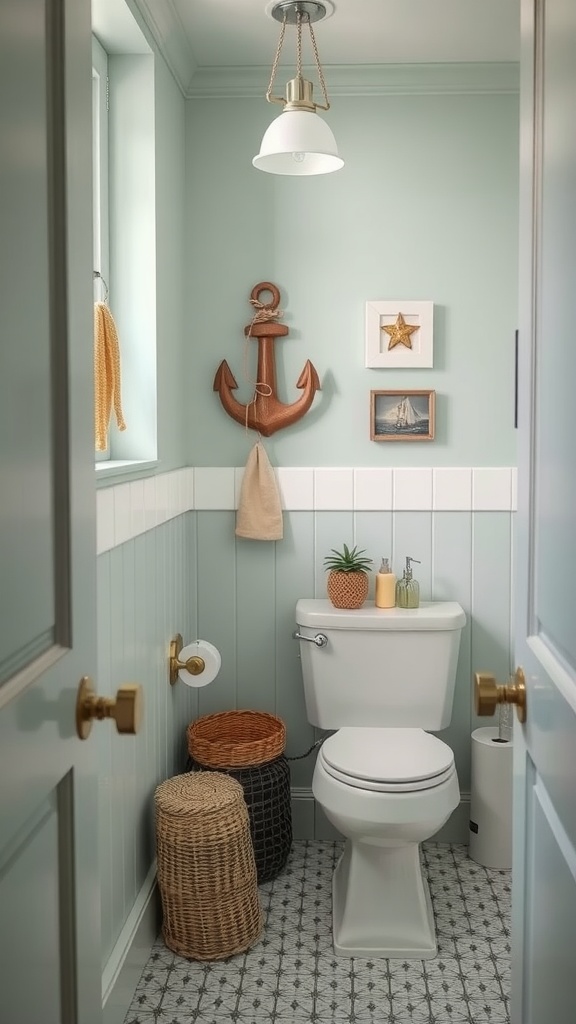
(266, 413)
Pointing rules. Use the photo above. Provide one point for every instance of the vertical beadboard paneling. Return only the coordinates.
(145, 747)
(217, 604)
(491, 601)
(374, 532)
(189, 620)
(144, 597)
(256, 624)
(106, 837)
(152, 694)
(119, 765)
(129, 742)
(413, 536)
(294, 579)
(184, 698)
(162, 628)
(452, 581)
(331, 530)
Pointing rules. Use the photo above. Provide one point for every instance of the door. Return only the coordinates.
(544, 870)
(49, 894)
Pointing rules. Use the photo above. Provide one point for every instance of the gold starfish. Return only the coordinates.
(399, 332)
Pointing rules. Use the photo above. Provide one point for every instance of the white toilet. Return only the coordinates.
(381, 678)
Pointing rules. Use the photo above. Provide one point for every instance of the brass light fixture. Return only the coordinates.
(299, 141)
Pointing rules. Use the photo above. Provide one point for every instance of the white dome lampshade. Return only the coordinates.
(298, 142)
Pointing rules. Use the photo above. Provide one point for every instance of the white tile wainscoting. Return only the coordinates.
(128, 509)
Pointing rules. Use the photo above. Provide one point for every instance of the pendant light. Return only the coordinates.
(298, 141)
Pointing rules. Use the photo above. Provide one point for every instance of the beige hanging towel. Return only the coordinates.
(106, 375)
(259, 515)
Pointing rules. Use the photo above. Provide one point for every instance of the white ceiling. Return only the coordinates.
(239, 33)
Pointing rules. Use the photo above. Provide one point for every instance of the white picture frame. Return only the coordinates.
(385, 350)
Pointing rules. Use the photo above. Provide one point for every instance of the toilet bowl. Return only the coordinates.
(385, 790)
(381, 679)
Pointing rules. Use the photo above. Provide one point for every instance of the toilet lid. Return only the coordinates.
(407, 759)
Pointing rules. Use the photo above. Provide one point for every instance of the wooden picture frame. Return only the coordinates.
(399, 334)
(405, 414)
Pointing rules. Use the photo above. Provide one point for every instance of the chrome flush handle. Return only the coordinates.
(320, 639)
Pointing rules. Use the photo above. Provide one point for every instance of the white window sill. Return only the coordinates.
(123, 467)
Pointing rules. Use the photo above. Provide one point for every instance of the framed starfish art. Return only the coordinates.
(399, 333)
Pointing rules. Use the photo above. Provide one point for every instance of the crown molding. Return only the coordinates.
(167, 32)
(363, 80)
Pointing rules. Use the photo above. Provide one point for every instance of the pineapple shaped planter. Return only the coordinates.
(347, 577)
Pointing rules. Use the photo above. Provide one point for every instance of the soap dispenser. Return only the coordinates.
(408, 589)
(385, 586)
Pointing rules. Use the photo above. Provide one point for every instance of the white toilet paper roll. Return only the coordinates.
(491, 800)
(209, 654)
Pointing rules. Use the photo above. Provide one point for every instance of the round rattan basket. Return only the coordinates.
(236, 739)
(206, 867)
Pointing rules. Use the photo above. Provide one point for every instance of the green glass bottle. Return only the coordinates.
(408, 589)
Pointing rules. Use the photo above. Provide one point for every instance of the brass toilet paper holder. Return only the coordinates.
(194, 665)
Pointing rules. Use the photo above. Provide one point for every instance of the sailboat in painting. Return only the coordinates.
(401, 417)
(405, 413)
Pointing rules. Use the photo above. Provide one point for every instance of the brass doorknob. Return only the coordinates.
(194, 665)
(488, 693)
(126, 708)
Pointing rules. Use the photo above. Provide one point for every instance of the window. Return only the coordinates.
(125, 226)
(101, 247)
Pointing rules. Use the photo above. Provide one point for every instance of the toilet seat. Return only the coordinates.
(387, 760)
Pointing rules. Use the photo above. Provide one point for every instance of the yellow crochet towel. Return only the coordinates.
(106, 375)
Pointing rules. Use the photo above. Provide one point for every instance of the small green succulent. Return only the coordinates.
(347, 560)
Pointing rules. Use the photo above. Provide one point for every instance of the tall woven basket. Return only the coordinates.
(248, 746)
(206, 867)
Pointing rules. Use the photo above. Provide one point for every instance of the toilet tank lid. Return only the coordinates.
(318, 613)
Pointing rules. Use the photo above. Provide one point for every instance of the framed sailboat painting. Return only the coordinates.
(402, 415)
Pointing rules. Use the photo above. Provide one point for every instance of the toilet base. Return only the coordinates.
(381, 904)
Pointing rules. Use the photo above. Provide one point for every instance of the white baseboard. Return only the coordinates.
(310, 822)
(130, 953)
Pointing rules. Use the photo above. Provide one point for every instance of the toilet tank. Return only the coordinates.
(391, 667)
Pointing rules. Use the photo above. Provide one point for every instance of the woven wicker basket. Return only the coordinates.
(267, 794)
(206, 867)
(236, 739)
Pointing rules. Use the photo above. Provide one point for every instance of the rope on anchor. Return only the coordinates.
(263, 313)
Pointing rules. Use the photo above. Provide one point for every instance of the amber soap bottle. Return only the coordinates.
(385, 594)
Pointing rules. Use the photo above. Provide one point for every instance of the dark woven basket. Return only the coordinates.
(267, 795)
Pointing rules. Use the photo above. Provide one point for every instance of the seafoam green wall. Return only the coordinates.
(425, 208)
(171, 336)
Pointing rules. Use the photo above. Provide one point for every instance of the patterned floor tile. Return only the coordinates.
(291, 975)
